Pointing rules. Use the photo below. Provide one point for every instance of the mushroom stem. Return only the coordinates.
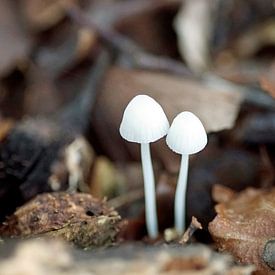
(149, 190)
(180, 197)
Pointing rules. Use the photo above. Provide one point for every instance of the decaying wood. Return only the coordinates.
(38, 257)
(78, 218)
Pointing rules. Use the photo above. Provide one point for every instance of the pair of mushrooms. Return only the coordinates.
(144, 121)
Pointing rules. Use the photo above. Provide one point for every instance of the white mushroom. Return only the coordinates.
(144, 121)
(186, 136)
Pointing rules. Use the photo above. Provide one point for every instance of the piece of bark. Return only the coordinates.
(245, 227)
(45, 256)
(78, 218)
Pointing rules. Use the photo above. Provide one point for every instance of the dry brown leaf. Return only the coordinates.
(222, 194)
(15, 43)
(216, 108)
(245, 227)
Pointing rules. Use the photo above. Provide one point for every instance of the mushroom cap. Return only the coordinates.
(186, 134)
(143, 121)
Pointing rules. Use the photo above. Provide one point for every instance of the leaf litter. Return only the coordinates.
(61, 106)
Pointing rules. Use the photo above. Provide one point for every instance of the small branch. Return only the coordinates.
(126, 199)
(76, 115)
(136, 57)
(194, 226)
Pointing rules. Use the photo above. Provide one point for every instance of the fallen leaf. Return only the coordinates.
(217, 109)
(245, 227)
(222, 194)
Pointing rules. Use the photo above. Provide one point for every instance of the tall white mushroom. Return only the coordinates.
(186, 136)
(144, 121)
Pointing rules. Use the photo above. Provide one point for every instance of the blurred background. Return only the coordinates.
(68, 69)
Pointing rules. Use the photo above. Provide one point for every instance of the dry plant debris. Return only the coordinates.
(194, 225)
(37, 257)
(78, 218)
(50, 65)
(245, 227)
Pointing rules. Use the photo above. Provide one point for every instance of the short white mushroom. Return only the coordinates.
(186, 136)
(144, 121)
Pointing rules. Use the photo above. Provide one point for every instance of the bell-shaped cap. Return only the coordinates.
(186, 134)
(143, 121)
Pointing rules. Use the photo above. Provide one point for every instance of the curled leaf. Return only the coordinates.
(245, 227)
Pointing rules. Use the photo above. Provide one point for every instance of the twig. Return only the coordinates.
(194, 226)
(126, 199)
(136, 57)
(76, 115)
(114, 12)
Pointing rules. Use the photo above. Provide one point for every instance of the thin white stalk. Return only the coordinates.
(180, 197)
(149, 191)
